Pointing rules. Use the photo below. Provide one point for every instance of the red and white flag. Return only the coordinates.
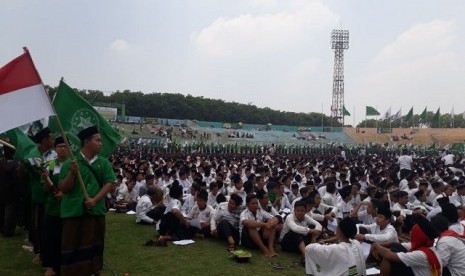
(22, 95)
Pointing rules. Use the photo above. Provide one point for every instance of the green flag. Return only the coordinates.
(436, 119)
(423, 115)
(409, 115)
(24, 145)
(345, 112)
(75, 115)
(371, 111)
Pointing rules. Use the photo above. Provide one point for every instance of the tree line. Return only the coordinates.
(178, 106)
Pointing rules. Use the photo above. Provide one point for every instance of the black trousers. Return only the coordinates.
(9, 213)
(51, 248)
(37, 223)
(225, 230)
(292, 240)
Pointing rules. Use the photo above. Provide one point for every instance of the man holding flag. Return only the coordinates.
(84, 218)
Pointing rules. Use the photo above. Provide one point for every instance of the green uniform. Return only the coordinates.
(35, 179)
(52, 204)
(72, 203)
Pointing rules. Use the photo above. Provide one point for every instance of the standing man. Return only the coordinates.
(405, 163)
(34, 161)
(83, 218)
(51, 249)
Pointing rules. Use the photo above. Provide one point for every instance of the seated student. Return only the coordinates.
(189, 200)
(304, 192)
(449, 211)
(321, 212)
(330, 197)
(294, 193)
(173, 219)
(258, 228)
(126, 200)
(238, 187)
(365, 216)
(344, 258)
(203, 212)
(214, 192)
(344, 206)
(284, 201)
(420, 201)
(265, 205)
(299, 229)
(450, 247)
(408, 213)
(150, 208)
(381, 231)
(225, 221)
(416, 258)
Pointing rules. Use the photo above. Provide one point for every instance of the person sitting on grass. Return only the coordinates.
(127, 199)
(344, 258)
(173, 219)
(450, 246)
(150, 208)
(299, 229)
(225, 222)
(381, 231)
(416, 258)
(258, 228)
(203, 213)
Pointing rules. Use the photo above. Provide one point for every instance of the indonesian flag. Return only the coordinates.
(22, 95)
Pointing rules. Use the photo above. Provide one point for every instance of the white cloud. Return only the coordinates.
(419, 41)
(119, 45)
(421, 67)
(250, 35)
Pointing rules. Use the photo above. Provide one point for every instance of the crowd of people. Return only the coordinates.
(406, 208)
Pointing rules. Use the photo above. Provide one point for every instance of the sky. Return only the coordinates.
(269, 53)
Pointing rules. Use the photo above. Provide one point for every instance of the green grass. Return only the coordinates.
(124, 253)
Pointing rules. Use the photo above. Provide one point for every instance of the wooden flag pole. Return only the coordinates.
(5, 143)
(62, 131)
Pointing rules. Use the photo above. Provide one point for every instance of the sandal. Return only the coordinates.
(149, 243)
(160, 243)
(231, 247)
(276, 265)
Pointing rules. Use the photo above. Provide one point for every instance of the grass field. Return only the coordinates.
(124, 253)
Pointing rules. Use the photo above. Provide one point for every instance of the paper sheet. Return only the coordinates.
(373, 271)
(183, 242)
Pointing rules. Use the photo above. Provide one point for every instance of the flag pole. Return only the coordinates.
(5, 143)
(62, 131)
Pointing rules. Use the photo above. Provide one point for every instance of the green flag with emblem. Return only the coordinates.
(76, 114)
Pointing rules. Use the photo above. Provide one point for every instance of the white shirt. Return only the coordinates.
(343, 209)
(259, 216)
(451, 251)
(405, 162)
(172, 204)
(204, 215)
(189, 203)
(448, 159)
(417, 261)
(388, 234)
(299, 227)
(329, 199)
(334, 259)
(144, 204)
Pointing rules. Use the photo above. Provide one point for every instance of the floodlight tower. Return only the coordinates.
(339, 43)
